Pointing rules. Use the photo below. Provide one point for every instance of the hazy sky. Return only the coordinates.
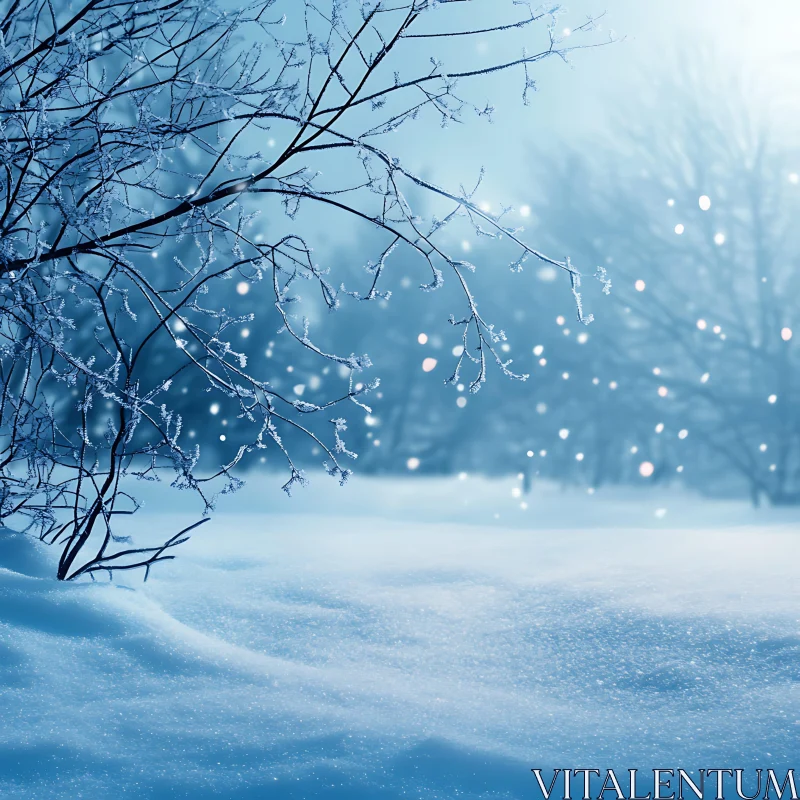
(576, 104)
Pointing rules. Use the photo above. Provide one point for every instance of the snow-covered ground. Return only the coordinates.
(415, 639)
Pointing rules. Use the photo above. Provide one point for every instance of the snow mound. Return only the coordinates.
(369, 656)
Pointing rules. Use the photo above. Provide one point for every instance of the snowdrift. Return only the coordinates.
(395, 642)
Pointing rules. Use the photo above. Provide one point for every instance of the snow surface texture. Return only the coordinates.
(390, 640)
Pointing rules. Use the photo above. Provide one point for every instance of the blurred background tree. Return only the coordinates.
(689, 374)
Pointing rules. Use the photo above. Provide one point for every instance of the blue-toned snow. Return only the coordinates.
(395, 639)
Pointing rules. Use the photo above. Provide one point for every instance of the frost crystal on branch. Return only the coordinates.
(160, 161)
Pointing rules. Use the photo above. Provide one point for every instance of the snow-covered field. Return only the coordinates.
(415, 639)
